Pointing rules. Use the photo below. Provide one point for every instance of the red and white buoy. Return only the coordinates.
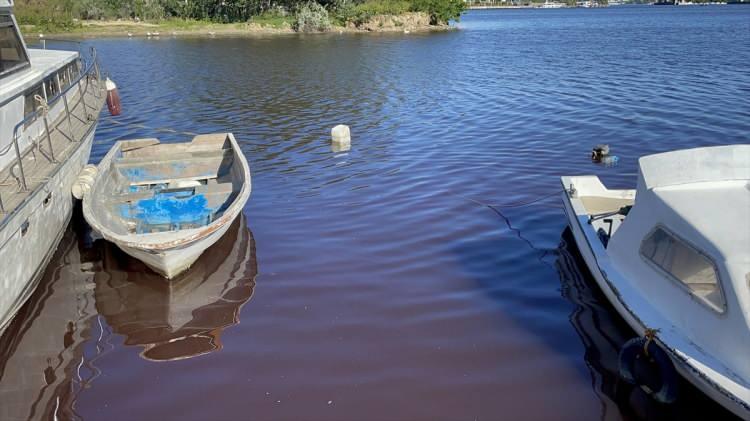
(113, 98)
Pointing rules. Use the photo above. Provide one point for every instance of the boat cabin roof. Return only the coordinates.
(43, 64)
(700, 199)
(686, 187)
(692, 166)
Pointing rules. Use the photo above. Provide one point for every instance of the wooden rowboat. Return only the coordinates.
(164, 204)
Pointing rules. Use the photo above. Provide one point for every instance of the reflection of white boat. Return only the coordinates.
(49, 108)
(44, 363)
(672, 257)
(164, 204)
(183, 318)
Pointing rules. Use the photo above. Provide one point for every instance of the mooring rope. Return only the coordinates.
(496, 208)
(521, 204)
(144, 127)
(43, 107)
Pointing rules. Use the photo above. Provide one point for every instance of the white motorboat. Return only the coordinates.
(49, 109)
(673, 258)
(164, 204)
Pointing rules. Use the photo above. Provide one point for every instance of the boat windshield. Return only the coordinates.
(685, 264)
(12, 53)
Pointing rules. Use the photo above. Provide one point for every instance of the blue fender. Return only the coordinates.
(653, 371)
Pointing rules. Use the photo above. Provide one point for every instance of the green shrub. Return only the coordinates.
(52, 16)
(276, 18)
(361, 13)
(311, 17)
(384, 7)
(440, 11)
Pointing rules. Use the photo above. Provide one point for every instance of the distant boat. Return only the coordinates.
(552, 5)
(164, 204)
(672, 258)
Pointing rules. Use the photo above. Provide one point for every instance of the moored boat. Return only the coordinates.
(672, 258)
(49, 109)
(164, 204)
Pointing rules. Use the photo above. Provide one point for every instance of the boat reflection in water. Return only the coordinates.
(184, 317)
(44, 357)
(603, 332)
(91, 293)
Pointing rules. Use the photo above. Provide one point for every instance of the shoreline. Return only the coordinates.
(408, 23)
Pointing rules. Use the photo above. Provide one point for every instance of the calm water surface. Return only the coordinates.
(376, 285)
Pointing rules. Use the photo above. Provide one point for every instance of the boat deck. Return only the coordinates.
(45, 155)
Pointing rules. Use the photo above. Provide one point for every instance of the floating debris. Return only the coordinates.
(341, 139)
(600, 154)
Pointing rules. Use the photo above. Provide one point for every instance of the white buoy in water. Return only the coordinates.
(341, 139)
(85, 180)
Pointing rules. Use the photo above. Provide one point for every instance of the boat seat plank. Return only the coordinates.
(600, 204)
(173, 158)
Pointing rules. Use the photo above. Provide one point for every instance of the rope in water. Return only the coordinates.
(156, 129)
(542, 252)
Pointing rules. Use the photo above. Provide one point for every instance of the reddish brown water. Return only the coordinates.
(372, 285)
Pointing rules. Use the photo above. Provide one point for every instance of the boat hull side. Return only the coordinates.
(25, 256)
(173, 262)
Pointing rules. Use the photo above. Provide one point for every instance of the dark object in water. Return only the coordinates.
(599, 152)
(645, 364)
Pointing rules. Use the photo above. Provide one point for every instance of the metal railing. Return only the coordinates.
(91, 70)
(43, 43)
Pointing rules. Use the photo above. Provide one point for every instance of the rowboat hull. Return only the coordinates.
(165, 204)
(172, 262)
